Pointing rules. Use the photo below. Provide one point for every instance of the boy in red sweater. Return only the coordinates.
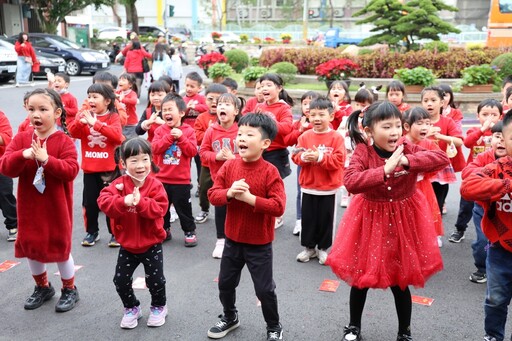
(321, 157)
(491, 187)
(174, 146)
(254, 194)
(60, 83)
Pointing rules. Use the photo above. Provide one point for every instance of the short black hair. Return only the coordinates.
(104, 76)
(64, 76)
(321, 103)
(507, 120)
(263, 122)
(507, 79)
(173, 97)
(230, 83)
(497, 127)
(194, 76)
(491, 103)
(215, 88)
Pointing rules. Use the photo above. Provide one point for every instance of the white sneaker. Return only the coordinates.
(297, 228)
(131, 317)
(174, 215)
(344, 197)
(439, 241)
(322, 256)
(279, 222)
(157, 316)
(219, 248)
(306, 255)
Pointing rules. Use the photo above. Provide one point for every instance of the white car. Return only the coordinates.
(8, 61)
(112, 33)
(226, 37)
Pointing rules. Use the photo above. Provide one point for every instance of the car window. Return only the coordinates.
(65, 42)
(40, 42)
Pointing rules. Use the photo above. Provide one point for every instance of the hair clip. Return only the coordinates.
(364, 109)
(375, 89)
(362, 86)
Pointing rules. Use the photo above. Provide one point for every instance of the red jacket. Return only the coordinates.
(70, 105)
(477, 142)
(5, 132)
(491, 187)
(192, 114)
(345, 110)
(98, 142)
(245, 223)
(130, 104)
(281, 112)
(173, 156)
(293, 137)
(250, 105)
(136, 228)
(133, 60)
(326, 175)
(202, 123)
(455, 114)
(25, 51)
(479, 162)
(403, 107)
(215, 139)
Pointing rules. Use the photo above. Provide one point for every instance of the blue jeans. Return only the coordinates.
(499, 290)
(298, 202)
(480, 244)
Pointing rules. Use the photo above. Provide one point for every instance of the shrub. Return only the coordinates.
(503, 64)
(286, 70)
(475, 46)
(417, 76)
(364, 51)
(252, 73)
(244, 38)
(436, 46)
(254, 61)
(220, 70)
(479, 75)
(238, 59)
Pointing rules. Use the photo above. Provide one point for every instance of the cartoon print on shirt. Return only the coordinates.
(172, 155)
(96, 138)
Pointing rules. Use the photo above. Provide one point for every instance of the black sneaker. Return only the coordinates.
(404, 337)
(223, 327)
(39, 296)
(12, 235)
(68, 299)
(275, 333)
(113, 242)
(91, 239)
(168, 235)
(351, 333)
(478, 277)
(456, 236)
(489, 338)
(197, 193)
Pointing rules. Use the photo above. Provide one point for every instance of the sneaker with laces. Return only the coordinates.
(201, 217)
(297, 228)
(190, 239)
(39, 296)
(131, 317)
(489, 338)
(439, 241)
(306, 255)
(275, 333)
(90, 239)
(456, 236)
(223, 327)
(157, 316)
(113, 242)
(219, 248)
(279, 222)
(322, 256)
(404, 337)
(174, 215)
(478, 277)
(12, 235)
(168, 235)
(68, 300)
(351, 333)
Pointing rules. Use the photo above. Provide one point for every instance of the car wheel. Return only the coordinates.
(4, 80)
(73, 67)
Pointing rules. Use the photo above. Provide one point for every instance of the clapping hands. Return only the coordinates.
(132, 199)
(36, 151)
(395, 160)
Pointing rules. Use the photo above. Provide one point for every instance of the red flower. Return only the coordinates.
(216, 35)
(336, 69)
(211, 58)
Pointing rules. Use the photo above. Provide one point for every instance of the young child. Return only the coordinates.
(45, 161)
(60, 83)
(386, 238)
(252, 102)
(490, 187)
(136, 202)
(507, 100)
(321, 157)
(505, 85)
(100, 132)
(340, 97)
(231, 85)
(449, 107)
(218, 146)
(479, 245)
(7, 199)
(104, 77)
(176, 70)
(127, 94)
(203, 122)
(253, 192)
(174, 145)
(363, 99)
(395, 93)
(152, 116)
(478, 140)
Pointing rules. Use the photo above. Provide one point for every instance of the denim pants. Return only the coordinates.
(480, 244)
(499, 290)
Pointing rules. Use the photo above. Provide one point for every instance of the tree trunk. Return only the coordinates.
(331, 19)
(135, 18)
(116, 16)
(128, 15)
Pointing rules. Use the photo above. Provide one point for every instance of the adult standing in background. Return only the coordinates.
(161, 62)
(26, 58)
(134, 54)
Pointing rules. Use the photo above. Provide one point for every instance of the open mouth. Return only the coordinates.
(222, 114)
(37, 123)
(242, 148)
(423, 134)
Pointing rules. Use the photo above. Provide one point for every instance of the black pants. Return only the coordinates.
(279, 158)
(205, 183)
(153, 261)
(197, 160)
(259, 262)
(179, 195)
(465, 214)
(93, 184)
(220, 220)
(8, 202)
(441, 192)
(317, 220)
(176, 84)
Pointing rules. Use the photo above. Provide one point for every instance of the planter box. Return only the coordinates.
(218, 79)
(250, 84)
(413, 89)
(477, 88)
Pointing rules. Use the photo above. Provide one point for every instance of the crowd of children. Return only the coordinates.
(393, 161)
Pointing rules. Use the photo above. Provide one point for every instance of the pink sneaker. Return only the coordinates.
(157, 316)
(131, 317)
(190, 239)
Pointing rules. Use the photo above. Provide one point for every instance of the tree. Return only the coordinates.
(51, 13)
(396, 22)
(131, 14)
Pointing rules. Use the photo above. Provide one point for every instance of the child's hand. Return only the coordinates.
(132, 199)
(487, 124)
(336, 106)
(176, 133)
(27, 154)
(246, 196)
(394, 160)
(311, 155)
(227, 154)
(192, 104)
(88, 118)
(40, 152)
(159, 120)
(304, 124)
(237, 188)
(151, 119)
(434, 131)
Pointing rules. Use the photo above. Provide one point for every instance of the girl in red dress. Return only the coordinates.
(395, 93)
(386, 237)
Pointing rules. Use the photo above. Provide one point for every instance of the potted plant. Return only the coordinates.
(219, 71)
(209, 59)
(336, 69)
(216, 36)
(244, 38)
(286, 38)
(251, 74)
(415, 79)
(478, 78)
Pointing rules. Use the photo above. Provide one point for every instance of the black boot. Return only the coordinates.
(39, 296)
(67, 300)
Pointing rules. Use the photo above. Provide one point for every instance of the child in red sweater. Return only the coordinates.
(60, 83)
(340, 97)
(449, 107)
(7, 199)
(254, 194)
(253, 101)
(127, 94)
(45, 161)
(321, 157)
(174, 146)
(136, 202)
(100, 132)
(395, 93)
(151, 119)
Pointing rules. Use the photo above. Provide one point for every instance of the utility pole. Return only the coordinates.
(305, 17)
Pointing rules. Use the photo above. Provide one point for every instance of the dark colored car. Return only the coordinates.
(78, 59)
(180, 30)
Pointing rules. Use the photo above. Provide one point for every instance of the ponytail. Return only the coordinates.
(356, 136)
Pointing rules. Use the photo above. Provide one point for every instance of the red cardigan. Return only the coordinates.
(133, 60)
(25, 51)
(5, 132)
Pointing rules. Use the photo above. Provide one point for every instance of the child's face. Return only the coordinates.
(171, 114)
(42, 114)
(509, 101)
(446, 99)
(251, 143)
(492, 113)
(504, 89)
(123, 84)
(60, 84)
(418, 130)
(211, 102)
(138, 166)
(98, 103)
(258, 93)
(226, 112)
(498, 145)
(156, 97)
(360, 105)
(320, 119)
(396, 97)
(270, 91)
(385, 133)
(432, 103)
(192, 87)
(337, 93)
(305, 106)
(507, 137)
(231, 90)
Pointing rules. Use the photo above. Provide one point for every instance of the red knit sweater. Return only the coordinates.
(70, 105)
(245, 223)
(202, 123)
(479, 162)
(192, 113)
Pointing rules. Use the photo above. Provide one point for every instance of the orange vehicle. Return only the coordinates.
(499, 29)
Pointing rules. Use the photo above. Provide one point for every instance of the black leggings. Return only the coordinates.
(403, 305)
(441, 192)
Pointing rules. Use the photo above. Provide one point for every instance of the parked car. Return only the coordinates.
(226, 37)
(180, 30)
(78, 59)
(112, 33)
(153, 31)
(8, 61)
